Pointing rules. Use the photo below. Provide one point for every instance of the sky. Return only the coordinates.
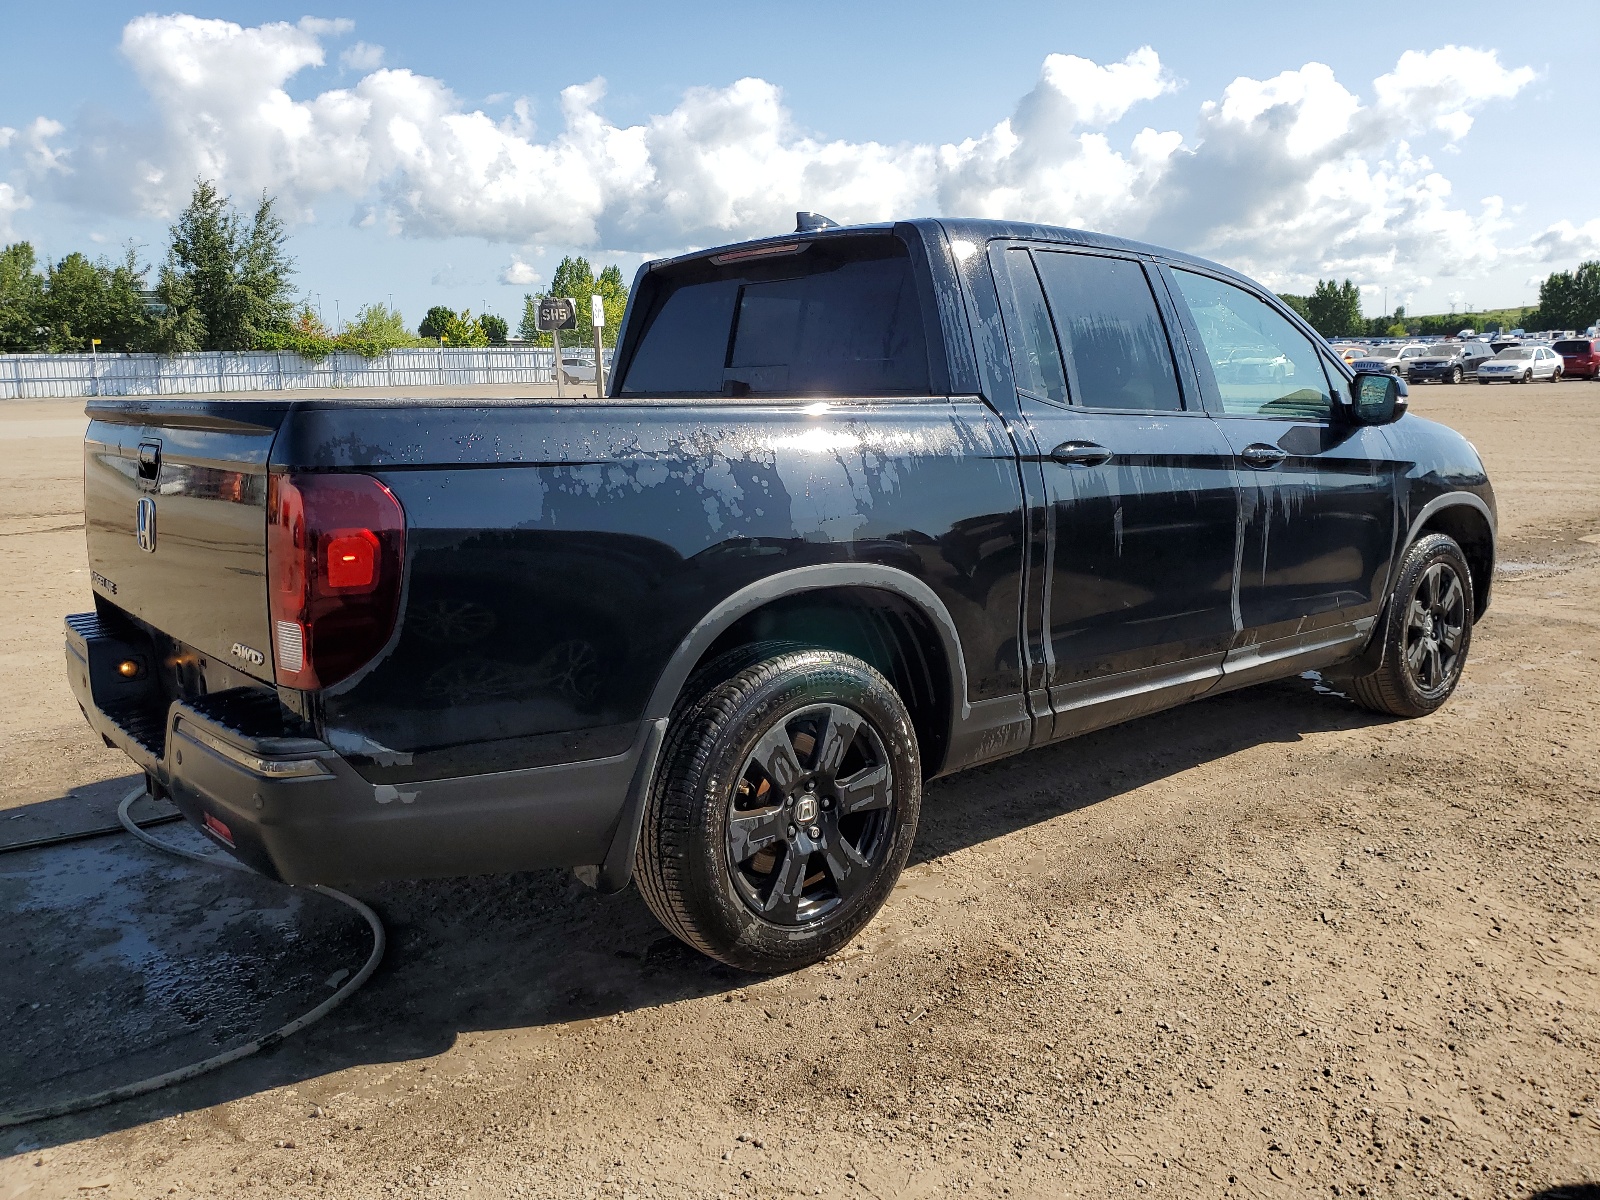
(425, 155)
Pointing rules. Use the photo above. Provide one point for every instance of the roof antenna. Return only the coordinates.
(810, 222)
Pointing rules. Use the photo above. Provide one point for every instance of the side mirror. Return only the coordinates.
(1378, 398)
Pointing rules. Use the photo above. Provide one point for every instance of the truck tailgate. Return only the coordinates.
(175, 504)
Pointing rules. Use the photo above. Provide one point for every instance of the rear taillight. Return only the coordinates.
(336, 550)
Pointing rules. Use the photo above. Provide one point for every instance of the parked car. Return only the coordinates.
(1449, 362)
(863, 507)
(1395, 359)
(1580, 357)
(577, 370)
(1521, 364)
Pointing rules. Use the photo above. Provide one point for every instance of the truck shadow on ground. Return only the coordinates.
(540, 950)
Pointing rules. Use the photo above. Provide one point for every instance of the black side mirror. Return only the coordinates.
(1377, 398)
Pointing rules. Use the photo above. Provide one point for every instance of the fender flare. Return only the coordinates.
(616, 871)
(1371, 658)
(1451, 500)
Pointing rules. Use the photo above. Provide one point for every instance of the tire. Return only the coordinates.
(1527, 376)
(1555, 376)
(1420, 669)
(1483, 381)
(818, 749)
(1456, 375)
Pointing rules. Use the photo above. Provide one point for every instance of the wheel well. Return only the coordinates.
(879, 627)
(1471, 531)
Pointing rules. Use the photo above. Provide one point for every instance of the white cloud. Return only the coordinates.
(519, 273)
(1565, 242)
(1289, 177)
(11, 203)
(363, 56)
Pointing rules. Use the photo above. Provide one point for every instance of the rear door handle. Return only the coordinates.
(1080, 454)
(1262, 456)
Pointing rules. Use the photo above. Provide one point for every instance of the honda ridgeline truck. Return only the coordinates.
(861, 507)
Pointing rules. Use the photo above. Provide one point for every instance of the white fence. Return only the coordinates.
(29, 375)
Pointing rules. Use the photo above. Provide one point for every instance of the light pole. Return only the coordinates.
(338, 321)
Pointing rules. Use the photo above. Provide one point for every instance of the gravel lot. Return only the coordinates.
(1266, 945)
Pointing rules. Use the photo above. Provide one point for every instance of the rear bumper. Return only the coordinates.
(291, 807)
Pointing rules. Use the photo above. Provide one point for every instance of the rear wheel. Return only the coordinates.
(1427, 631)
(1555, 376)
(1455, 375)
(783, 811)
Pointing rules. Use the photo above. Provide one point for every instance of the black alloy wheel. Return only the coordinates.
(783, 808)
(1436, 622)
(1426, 632)
(809, 819)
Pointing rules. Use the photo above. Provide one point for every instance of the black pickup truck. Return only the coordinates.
(862, 507)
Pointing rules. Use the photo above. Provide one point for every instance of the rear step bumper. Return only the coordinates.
(292, 808)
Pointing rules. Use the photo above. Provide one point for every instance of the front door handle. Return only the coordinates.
(1262, 456)
(1080, 454)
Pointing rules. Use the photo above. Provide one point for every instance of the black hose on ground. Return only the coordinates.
(167, 1079)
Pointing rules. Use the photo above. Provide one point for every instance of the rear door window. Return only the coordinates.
(1262, 364)
(1035, 357)
(1113, 341)
(841, 318)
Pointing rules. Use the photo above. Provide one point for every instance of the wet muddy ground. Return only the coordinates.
(1263, 945)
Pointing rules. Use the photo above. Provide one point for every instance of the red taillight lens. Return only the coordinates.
(335, 556)
(350, 560)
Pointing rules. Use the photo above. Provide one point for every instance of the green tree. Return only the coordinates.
(1298, 303)
(381, 325)
(21, 300)
(1334, 309)
(85, 300)
(454, 328)
(436, 322)
(226, 279)
(575, 278)
(494, 328)
(1570, 299)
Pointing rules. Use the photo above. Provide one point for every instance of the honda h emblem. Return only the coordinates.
(144, 525)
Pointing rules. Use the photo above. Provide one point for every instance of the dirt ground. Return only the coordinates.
(1265, 945)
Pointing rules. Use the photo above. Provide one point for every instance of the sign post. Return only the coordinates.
(597, 314)
(94, 363)
(554, 314)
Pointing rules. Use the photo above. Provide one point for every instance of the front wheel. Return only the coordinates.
(783, 811)
(1527, 376)
(1427, 631)
(1455, 375)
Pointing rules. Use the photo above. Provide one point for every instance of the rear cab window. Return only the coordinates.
(830, 317)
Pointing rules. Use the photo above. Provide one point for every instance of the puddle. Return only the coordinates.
(122, 962)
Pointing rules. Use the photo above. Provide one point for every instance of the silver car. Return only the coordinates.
(1521, 364)
(1396, 360)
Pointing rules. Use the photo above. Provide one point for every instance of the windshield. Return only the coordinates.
(1384, 352)
(839, 318)
(1516, 352)
(1442, 350)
